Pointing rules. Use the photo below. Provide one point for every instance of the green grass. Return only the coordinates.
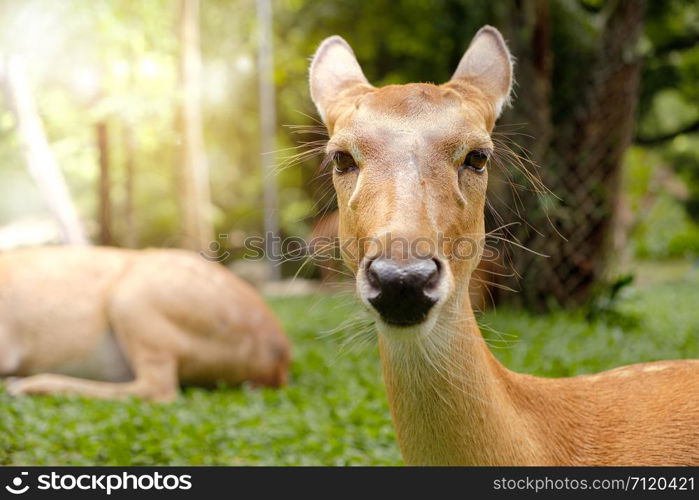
(334, 411)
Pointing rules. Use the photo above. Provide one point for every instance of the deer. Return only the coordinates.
(114, 323)
(410, 165)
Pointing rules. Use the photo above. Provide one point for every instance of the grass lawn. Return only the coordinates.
(334, 411)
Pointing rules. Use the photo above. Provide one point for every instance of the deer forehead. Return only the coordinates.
(413, 120)
(412, 99)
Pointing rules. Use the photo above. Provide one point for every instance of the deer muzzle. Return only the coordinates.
(402, 291)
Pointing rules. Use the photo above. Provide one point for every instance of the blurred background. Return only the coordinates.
(166, 121)
(187, 123)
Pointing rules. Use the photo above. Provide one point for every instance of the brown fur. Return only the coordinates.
(451, 401)
(136, 322)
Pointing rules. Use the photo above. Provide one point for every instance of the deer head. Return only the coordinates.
(410, 171)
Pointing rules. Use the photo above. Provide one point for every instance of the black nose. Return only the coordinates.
(403, 292)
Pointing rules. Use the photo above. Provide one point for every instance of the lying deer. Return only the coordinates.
(411, 164)
(135, 323)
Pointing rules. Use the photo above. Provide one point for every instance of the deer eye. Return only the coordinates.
(344, 162)
(475, 160)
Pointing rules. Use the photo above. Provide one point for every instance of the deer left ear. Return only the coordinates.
(488, 64)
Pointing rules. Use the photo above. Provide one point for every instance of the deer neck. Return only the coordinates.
(451, 401)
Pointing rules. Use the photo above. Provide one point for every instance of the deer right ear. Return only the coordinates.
(334, 68)
(488, 64)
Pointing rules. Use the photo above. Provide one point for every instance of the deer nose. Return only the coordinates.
(403, 292)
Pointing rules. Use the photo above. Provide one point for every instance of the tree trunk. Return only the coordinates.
(194, 174)
(104, 185)
(41, 163)
(579, 142)
(131, 238)
(268, 131)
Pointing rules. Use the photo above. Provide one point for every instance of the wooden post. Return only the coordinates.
(104, 184)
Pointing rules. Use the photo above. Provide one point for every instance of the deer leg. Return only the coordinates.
(156, 380)
(153, 365)
(149, 341)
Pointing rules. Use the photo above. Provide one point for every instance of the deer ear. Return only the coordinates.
(334, 68)
(487, 63)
